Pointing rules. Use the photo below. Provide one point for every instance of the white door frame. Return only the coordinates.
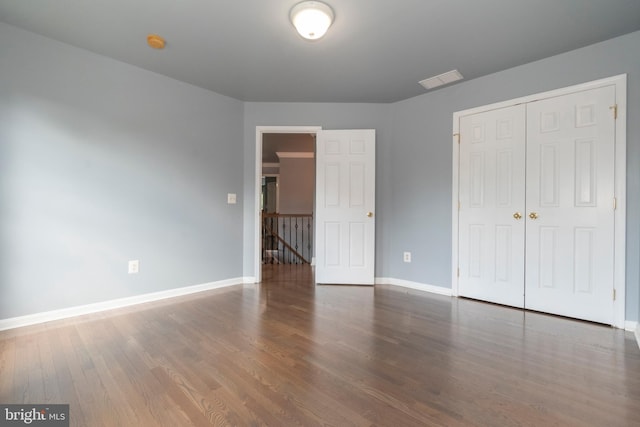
(260, 130)
(620, 83)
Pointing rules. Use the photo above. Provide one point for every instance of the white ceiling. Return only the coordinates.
(376, 50)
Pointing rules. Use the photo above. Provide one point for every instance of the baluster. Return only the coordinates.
(274, 241)
(290, 241)
(268, 237)
(296, 245)
(284, 233)
(265, 239)
(309, 237)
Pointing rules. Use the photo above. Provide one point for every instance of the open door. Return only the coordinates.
(345, 207)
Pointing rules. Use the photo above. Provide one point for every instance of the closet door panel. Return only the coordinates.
(570, 217)
(491, 223)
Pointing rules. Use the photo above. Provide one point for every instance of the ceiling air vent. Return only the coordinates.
(442, 79)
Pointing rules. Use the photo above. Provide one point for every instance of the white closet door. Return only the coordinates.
(492, 203)
(570, 212)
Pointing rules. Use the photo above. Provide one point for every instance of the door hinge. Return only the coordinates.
(615, 203)
(458, 272)
(614, 294)
(614, 107)
(457, 135)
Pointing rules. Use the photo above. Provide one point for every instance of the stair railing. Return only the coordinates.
(287, 238)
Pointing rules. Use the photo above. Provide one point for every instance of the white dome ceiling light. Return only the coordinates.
(312, 19)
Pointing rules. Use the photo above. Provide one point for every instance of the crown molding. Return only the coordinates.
(295, 155)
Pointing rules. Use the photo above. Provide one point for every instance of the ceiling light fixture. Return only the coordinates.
(312, 19)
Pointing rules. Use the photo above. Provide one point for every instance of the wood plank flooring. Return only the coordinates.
(288, 353)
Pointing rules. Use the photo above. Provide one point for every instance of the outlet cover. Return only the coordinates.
(134, 266)
(231, 198)
(407, 257)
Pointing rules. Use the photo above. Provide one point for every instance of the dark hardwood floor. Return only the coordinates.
(287, 353)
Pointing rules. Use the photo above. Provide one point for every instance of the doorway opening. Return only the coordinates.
(285, 196)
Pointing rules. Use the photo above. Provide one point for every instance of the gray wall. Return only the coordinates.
(421, 155)
(297, 185)
(414, 156)
(329, 116)
(102, 162)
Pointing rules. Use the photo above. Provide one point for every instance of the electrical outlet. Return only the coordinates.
(231, 198)
(134, 266)
(407, 257)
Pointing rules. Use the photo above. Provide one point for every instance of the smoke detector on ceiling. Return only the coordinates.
(441, 79)
(155, 41)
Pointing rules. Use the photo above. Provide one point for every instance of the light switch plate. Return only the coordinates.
(231, 198)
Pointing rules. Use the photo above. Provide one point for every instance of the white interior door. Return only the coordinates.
(492, 203)
(570, 210)
(345, 206)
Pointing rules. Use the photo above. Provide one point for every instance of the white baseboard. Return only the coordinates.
(635, 328)
(413, 285)
(33, 319)
(630, 325)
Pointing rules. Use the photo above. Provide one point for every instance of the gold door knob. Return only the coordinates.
(533, 215)
(369, 214)
(517, 215)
